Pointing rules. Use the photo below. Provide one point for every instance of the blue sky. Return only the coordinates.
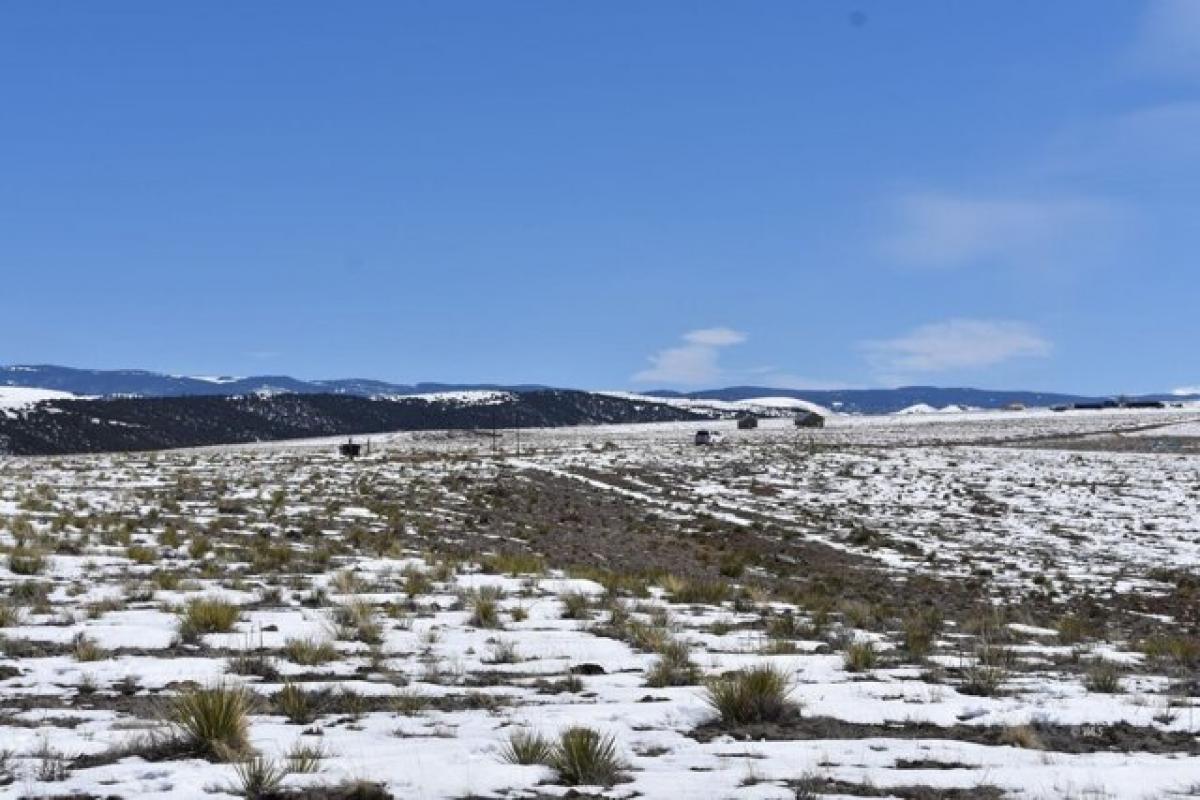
(606, 194)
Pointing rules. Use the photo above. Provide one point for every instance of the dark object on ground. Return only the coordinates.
(809, 419)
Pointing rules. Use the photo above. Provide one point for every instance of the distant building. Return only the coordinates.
(809, 419)
(350, 449)
(747, 422)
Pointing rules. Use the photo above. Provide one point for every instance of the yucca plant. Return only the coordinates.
(526, 747)
(306, 758)
(583, 756)
(758, 694)
(259, 777)
(213, 720)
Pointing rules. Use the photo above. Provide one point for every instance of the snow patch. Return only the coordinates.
(18, 397)
(474, 397)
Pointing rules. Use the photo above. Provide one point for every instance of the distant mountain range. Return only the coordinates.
(888, 401)
(141, 383)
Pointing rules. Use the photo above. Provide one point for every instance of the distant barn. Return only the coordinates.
(809, 419)
(747, 422)
(350, 449)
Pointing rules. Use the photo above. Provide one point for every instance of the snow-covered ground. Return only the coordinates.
(480, 397)
(770, 406)
(21, 396)
(14, 399)
(1050, 569)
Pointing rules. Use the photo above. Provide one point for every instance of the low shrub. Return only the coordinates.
(298, 705)
(26, 561)
(11, 615)
(1023, 736)
(674, 667)
(860, 657)
(983, 680)
(514, 564)
(1104, 677)
(576, 605)
(758, 694)
(356, 622)
(485, 607)
(309, 651)
(921, 629)
(85, 648)
(253, 664)
(701, 592)
(207, 615)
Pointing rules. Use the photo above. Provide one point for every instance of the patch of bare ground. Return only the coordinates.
(354, 790)
(1119, 737)
(815, 787)
(1117, 443)
(571, 523)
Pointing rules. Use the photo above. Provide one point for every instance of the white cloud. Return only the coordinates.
(694, 363)
(953, 345)
(714, 337)
(1168, 39)
(1184, 391)
(1155, 145)
(938, 229)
